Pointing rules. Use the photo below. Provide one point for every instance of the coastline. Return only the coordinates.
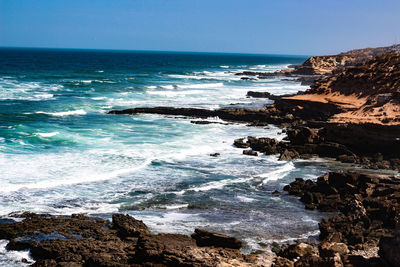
(308, 136)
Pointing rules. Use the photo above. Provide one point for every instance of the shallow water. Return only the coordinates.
(61, 153)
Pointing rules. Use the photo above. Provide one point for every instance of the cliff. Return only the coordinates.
(365, 93)
(320, 65)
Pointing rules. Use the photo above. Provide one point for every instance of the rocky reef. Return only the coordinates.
(79, 240)
(364, 231)
(345, 143)
(368, 216)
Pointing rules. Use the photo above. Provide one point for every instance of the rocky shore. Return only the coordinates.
(364, 232)
(78, 240)
(351, 113)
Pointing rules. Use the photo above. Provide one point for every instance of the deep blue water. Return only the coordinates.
(61, 153)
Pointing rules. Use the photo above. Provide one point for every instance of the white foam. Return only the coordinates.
(32, 91)
(169, 87)
(12, 257)
(99, 98)
(245, 199)
(215, 185)
(61, 170)
(44, 96)
(176, 206)
(151, 87)
(206, 85)
(206, 75)
(64, 113)
(175, 93)
(224, 67)
(48, 134)
(281, 172)
(86, 81)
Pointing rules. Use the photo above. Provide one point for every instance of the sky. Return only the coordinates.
(308, 27)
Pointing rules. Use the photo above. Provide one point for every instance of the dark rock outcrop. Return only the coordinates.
(127, 226)
(346, 143)
(368, 205)
(389, 249)
(205, 238)
(229, 114)
(78, 240)
(296, 250)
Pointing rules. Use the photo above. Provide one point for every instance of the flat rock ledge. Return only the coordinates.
(339, 143)
(79, 240)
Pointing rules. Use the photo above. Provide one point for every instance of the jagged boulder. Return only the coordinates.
(296, 250)
(327, 249)
(205, 238)
(128, 226)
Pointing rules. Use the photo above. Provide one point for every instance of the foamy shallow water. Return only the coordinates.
(61, 153)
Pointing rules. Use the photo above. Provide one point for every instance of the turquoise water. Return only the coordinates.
(61, 153)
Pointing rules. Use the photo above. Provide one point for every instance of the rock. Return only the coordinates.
(296, 250)
(205, 238)
(276, 193)
(367, 204)
(303, 135)
(250, 153)
(289, 155)
(268, 146)
(259, 94)
(347, 158)
(283, 262)
(316, 261)
(78, 240)
(128, 226)
(229, 114)
(389, 249)
(240, 143)
(327, 249)
(214, 154)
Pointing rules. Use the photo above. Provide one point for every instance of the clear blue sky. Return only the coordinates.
(253, 26)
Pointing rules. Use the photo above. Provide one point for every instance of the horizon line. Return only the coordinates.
(150, 50)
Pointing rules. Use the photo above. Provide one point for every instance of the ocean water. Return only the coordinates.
(61, 153)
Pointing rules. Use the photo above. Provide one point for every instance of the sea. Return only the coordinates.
(61, 153)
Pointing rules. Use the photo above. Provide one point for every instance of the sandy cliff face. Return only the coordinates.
(319, 65)
(366, 93)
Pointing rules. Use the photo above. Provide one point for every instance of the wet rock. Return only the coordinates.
(283, 262)
(367, 203)
(273, 116)
(250, 153)
(259, 94)
(240, 143)
(128, 226)
(214, 154)
(205, 238)
(347, 158)
(327, 249)
(303, 135)
(296, 250)
(289, 155)
(266, 145)
(125, 242)
(316, 261)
